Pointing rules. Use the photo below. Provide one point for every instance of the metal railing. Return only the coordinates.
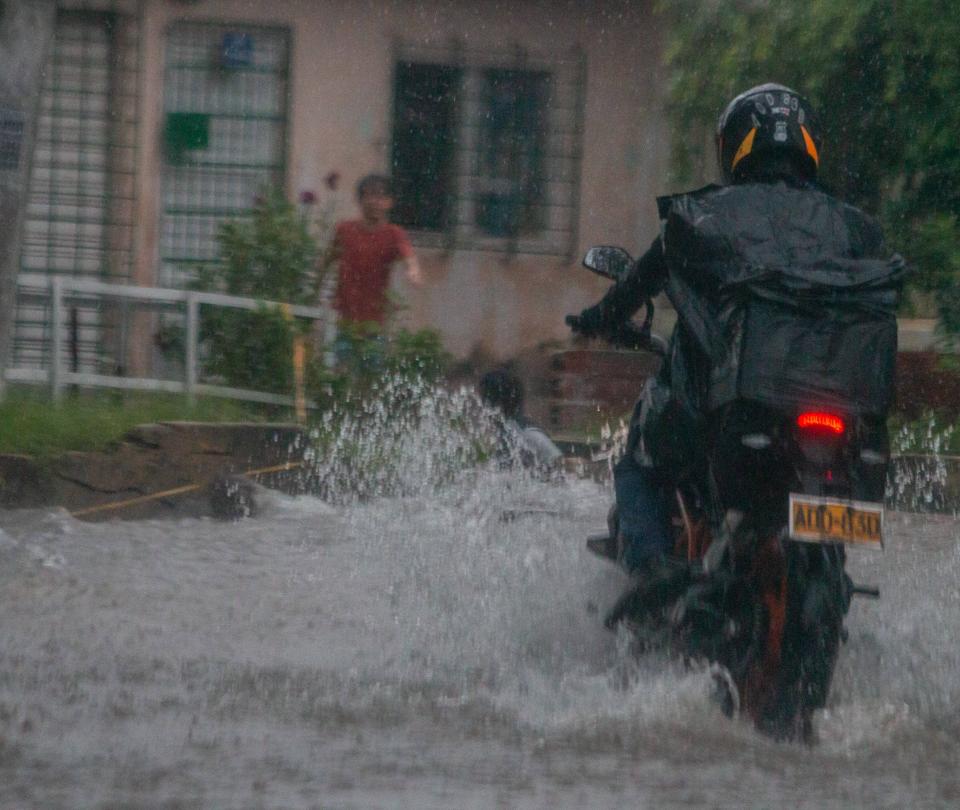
(60, 289)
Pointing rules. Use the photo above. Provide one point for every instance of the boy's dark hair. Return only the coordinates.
(374, 182)
(502, 389)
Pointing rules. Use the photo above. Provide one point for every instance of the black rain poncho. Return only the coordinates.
(787, 292)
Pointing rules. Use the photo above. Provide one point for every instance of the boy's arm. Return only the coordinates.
(413, 271)
(409, 259)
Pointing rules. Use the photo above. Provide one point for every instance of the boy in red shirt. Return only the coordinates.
(367, 248)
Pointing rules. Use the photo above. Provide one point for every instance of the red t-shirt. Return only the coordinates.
(366, 255)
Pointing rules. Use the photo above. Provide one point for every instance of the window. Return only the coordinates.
(423, 144)
(224, 133)
(510, 187)
(81, 198)
(486, 149)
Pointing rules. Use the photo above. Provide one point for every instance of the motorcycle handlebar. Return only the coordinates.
(630, 336)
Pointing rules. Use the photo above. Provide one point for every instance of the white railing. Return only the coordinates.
(60, 288)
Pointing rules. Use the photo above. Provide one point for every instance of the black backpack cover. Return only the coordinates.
(787, 293)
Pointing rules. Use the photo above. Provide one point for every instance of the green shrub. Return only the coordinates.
(367, 356)
(270, 255)
(251, 350)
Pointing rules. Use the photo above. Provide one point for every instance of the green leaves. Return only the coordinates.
(251, 350)
(271, 255)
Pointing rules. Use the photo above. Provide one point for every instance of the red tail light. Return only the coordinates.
(815, 420)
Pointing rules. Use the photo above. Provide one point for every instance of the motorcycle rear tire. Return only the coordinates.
(816, 602)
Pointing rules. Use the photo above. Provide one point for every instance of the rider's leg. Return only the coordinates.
(641, 492)
(642, 513)
(657, 578)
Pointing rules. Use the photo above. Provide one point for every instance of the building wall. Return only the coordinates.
(340, 121)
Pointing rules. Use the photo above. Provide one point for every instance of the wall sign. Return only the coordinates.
(236, 50)
(185, 131)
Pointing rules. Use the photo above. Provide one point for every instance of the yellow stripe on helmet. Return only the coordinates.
(745, 146)
(811, 146)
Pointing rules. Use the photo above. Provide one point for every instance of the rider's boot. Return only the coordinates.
(654, 585)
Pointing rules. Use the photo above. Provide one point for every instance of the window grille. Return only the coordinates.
(486, 148)
(509, 182)
(81, 196)
(225, 109)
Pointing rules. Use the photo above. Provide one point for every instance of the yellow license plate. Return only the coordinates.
(831, 520)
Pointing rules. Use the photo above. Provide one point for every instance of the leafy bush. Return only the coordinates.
(419, 353)
(367, 356)
(271, 255)
(251, 350)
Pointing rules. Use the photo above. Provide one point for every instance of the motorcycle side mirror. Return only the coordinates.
(608, 261)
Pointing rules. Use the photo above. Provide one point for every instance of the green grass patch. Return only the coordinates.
(30, 424)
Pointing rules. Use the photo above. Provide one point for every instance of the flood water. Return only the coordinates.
(419, 651)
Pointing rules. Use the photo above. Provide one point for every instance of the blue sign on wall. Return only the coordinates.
(236, 50)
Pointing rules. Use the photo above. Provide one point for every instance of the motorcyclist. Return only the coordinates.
(768, 148)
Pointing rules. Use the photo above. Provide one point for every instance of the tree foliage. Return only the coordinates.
(884, 75)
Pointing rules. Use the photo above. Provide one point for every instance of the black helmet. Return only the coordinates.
(765, 121)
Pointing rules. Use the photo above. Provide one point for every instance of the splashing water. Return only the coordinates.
(918, 478)
(613, 441)
(428, 637)
(408, 439)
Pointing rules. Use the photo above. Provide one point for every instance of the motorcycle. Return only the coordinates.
(756, 584)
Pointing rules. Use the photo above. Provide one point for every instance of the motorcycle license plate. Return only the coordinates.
(831, 520)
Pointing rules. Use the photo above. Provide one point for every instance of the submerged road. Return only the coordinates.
(420, 652)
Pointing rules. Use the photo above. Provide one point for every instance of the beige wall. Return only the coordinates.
(340, 109)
